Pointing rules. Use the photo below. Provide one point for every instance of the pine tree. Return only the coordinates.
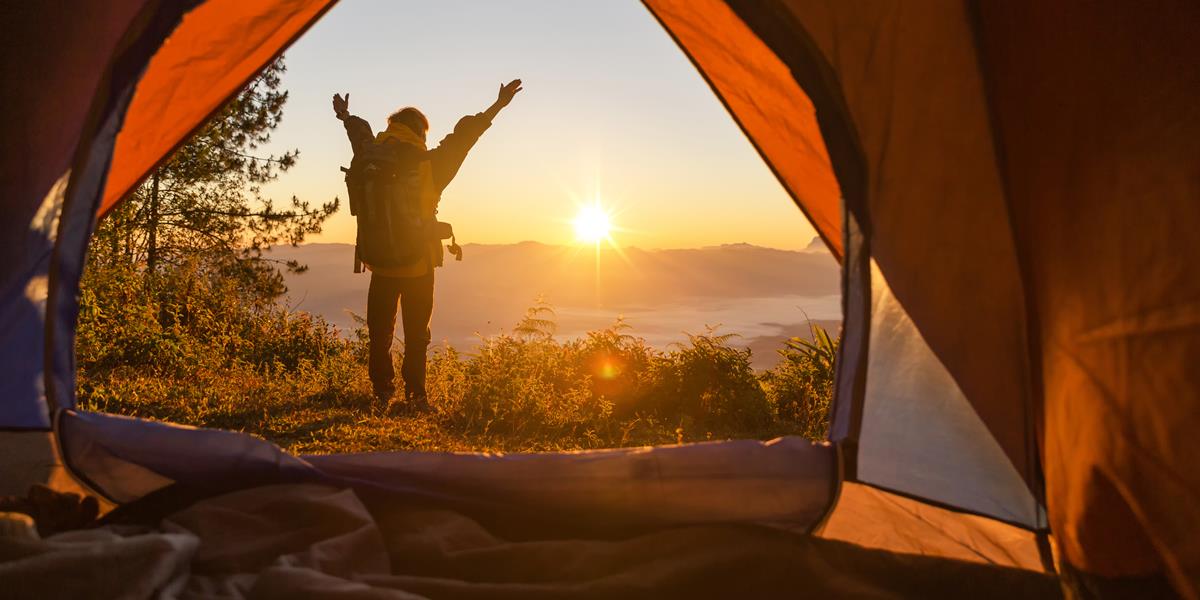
(205, 203)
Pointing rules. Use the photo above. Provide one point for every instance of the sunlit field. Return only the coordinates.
(195, 349)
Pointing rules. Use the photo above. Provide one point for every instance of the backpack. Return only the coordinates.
(385, 195)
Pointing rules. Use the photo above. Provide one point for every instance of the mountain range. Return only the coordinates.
(762, 294)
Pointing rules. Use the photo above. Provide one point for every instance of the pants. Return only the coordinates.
(415, 296)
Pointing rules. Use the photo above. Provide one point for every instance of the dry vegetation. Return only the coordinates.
(190, 345)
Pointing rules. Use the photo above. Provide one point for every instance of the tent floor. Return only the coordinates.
(29, 458)
(315, 541)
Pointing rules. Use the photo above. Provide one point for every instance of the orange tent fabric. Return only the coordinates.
(217, 48)
(765, 100)
(1098, 112)
(1031, 194)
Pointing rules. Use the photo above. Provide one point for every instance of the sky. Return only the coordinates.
(611, 109)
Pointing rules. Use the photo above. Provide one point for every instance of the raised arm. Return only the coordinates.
(358, 130)
(341, 106)
(507, 91)
(449, 154)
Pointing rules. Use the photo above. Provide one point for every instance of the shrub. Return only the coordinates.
(618, 366)
(524, 385)
(801, 385)
(711, 384)
(188, 345)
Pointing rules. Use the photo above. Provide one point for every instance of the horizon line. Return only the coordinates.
(812, 246)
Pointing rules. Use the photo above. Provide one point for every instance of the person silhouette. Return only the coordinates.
(411, 286)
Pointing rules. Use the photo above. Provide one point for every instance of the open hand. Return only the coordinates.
(341, 105)
(507, 91)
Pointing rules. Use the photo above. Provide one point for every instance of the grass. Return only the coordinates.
(189, 347)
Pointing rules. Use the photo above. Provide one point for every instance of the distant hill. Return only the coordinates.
(761, 293)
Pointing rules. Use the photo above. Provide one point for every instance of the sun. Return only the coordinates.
(592, 224)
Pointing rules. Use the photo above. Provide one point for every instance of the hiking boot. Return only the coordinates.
(384, 394)
(416, 401)
(408, 406)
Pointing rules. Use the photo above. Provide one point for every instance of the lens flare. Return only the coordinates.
(607, 367)
(609, 370)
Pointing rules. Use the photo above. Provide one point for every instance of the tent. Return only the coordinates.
(1012, 189)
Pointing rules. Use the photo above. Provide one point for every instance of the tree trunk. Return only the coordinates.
(152, 226)
(114, 242)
